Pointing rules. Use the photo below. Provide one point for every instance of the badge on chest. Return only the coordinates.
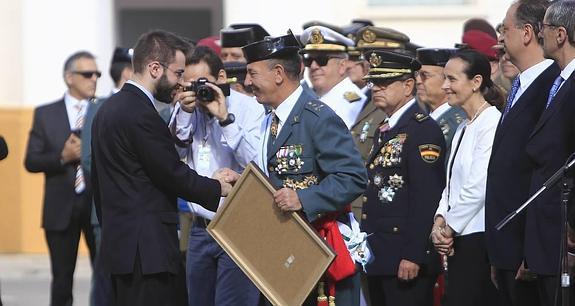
(288, 158)
(390, 153)
(388, 186)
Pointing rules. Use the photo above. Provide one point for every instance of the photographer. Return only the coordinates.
(214, 131)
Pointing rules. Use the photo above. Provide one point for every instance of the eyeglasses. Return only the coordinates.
(178, 73)
(88, 74)
(424, 75)
(542, 25)
(321, 60)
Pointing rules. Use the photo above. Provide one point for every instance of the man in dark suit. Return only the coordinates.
(509, 160)
(551, 142)
(54, 148)
(138, 175)
(307, 150)
(406, 179)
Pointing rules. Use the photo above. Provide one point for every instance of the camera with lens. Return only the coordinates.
(205, 93)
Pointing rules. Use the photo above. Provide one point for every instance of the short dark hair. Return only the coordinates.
(291, 63)
(71, 60)
(157, 45)
(207, 55)
(531, 12)
(478, 64)
(116, 70)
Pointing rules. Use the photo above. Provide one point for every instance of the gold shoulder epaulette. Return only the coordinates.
(420, 117)
(351, 96)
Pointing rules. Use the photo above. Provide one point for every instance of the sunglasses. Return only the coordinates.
(88, 74)
(321, 60)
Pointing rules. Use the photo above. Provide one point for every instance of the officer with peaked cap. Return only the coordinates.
(406, 178)
(309, 155)
(429, 80)
(232, 40)
(325, 54)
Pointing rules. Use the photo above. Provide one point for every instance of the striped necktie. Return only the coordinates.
(79, 183)
(553, 91)
(514, 88)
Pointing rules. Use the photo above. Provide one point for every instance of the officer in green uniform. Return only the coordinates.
(307, 150)
(429, 80)
(406, 178)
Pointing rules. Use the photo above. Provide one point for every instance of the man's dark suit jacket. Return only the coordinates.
(550, 144)
(50, 130)
(137, 177)
(509, 173)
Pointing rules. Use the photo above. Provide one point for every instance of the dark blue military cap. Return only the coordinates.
(271, 47)
(434, 56)
(259, 32)
(122, 55)
(386, 64)
(236, 38)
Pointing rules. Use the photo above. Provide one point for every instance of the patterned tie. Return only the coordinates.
(79, 183)
(554, 90)
(514, 88)
(273, 131)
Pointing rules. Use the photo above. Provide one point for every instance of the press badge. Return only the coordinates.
(204, 158)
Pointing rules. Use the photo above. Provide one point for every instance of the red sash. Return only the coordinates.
(342, 266)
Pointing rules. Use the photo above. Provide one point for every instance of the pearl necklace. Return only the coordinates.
(479, 110)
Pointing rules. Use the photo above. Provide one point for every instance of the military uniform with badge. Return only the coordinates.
(448, 117)
(406, 178)
(323, 44)
(307, 148)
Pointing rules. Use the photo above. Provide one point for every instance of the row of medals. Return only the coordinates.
(389, 156)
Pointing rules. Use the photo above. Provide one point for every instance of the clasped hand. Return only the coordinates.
(442, 237)
(227, 177)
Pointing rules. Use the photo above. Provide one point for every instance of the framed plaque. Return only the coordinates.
(280, 252)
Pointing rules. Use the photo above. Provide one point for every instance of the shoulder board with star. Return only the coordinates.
(351, 96)
(315, 106)
(421, 117)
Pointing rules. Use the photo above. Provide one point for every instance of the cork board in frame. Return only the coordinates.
(280, 252)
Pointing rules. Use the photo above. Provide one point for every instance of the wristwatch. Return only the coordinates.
(229, 120)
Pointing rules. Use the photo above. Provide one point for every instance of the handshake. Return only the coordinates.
(227, 177)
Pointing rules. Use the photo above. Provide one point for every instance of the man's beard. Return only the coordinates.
(164, 90)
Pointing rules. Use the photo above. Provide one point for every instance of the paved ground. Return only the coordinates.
(25, 280)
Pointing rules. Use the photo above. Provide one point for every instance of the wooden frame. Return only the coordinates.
(280, 252)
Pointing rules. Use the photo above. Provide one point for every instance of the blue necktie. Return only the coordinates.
(554, 90)
(514, 88)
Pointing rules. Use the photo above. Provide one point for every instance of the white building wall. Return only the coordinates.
(40, 35)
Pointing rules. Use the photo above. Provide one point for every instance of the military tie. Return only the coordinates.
(514, 88)
(273, 131)
(383, 128)
(79, 183)
(553, 91)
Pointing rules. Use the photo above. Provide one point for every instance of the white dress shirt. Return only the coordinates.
(566, 73)
(462, 203)
(528, 76)
(394, 118)
(347, 111)
(71, 109)
(213, 146)
(442, 109)
(283, 111)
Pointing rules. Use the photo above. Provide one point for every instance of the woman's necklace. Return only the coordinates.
(479, 110)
